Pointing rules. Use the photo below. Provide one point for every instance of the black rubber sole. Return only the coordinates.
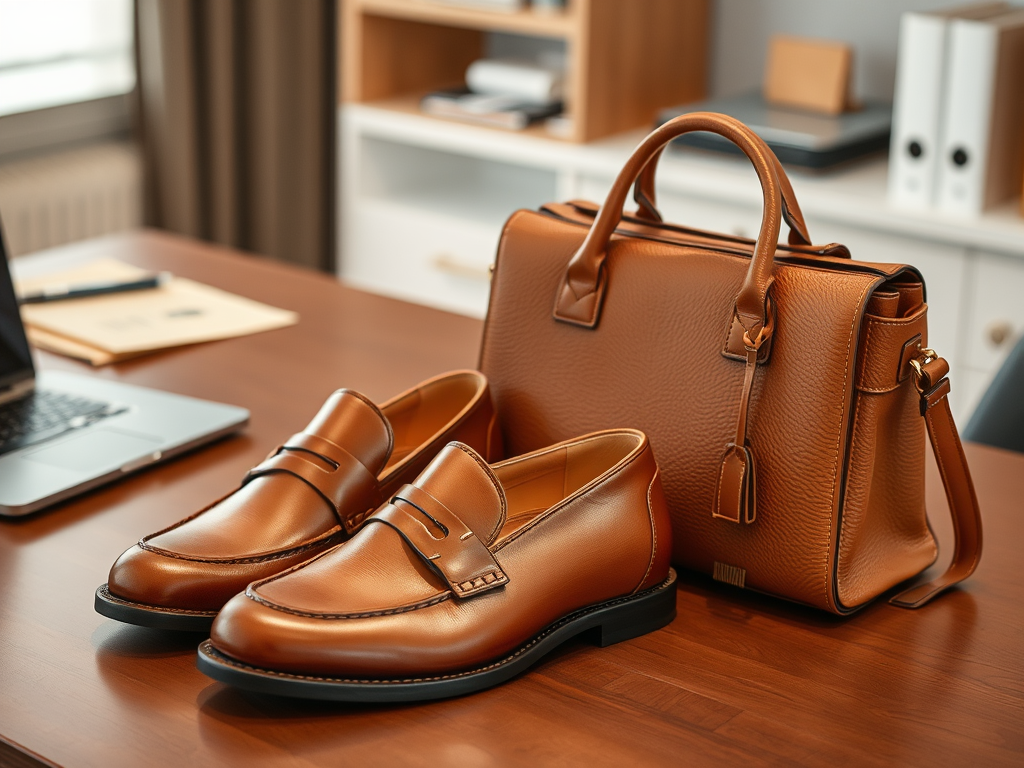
(614, 621)
(152, 616)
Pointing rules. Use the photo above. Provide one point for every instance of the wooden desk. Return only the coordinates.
(736, 679)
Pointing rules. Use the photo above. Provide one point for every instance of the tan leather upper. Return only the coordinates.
(464, 565)
(795, 460)
(302, 499)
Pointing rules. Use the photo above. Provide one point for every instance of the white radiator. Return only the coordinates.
(70, 195)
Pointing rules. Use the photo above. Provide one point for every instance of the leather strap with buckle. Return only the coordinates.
(929, 372)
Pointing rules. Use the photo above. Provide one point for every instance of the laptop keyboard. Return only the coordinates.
(45, 414)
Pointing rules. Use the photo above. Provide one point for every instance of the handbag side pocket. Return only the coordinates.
(884, 536)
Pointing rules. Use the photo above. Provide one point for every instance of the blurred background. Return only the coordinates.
(387, 141)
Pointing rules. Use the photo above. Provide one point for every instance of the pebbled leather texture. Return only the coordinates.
(569, 526)
(832, 418)
(308, 495)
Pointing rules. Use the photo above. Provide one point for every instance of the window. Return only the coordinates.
(55, 52)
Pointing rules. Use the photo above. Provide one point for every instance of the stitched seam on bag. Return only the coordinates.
(105, 591)
(654, 531)
(839, 442)
(324, 539)
(867, 347)
(718, 495)
(363, 615)
(853, 449)
(591, 486)
(872, 322)
(516, 654)
(876, 320)
(942, 466)
(963, 459)
(929, 404)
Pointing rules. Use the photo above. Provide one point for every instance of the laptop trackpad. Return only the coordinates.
(96, 449)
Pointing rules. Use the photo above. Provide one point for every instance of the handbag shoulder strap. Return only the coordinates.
(930, 377)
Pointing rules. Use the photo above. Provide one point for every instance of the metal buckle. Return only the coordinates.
(918, 363)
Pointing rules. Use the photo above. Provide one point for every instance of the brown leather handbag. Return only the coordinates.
(782, 386)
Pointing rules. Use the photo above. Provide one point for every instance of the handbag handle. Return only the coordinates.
(582, 292)
(644, 197)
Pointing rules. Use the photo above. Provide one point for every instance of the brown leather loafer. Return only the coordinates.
(311, 493)
(464, 579)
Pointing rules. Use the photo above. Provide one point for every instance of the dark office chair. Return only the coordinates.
(999, 418)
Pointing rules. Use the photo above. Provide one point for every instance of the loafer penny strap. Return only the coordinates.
(444, 542)
(345, 483)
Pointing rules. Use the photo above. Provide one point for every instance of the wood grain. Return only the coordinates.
(737, 678)
(626, 60)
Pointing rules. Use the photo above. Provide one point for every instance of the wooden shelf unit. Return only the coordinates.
(626, 60)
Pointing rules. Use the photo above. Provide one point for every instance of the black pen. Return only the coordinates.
(62, 291)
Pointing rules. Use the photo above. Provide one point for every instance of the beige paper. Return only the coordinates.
(126, 324)
(51, 342)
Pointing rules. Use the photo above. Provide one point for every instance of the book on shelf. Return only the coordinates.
(510, 112)
(530, 81)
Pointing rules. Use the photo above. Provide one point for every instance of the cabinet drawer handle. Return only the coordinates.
(445, 262)
(1000, 332)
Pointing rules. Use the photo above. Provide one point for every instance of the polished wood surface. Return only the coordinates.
(737, 678)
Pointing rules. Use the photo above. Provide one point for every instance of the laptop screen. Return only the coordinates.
(15, 358)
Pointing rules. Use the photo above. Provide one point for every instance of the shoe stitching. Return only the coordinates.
(398, 681)
(105, 593)
(331, 537)
(337, 616)
(594, 484)
(654, 530)
(469, 409)
(488, 578)
(191, 517)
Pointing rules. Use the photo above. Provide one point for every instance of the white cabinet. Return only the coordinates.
(423, 203)
(995, 319)
(422, 223)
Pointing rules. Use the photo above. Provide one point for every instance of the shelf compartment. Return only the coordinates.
(626, 60)
(524, 22)
(464, 188)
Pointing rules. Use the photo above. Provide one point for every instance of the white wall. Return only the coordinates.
(741, 29)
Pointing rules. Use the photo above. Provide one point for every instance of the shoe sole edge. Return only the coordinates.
(151, 616)
(615, 621)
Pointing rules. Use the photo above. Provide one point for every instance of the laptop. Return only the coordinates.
(796, 137)
(62, 434)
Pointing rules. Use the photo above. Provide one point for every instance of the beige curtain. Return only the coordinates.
(237, 105)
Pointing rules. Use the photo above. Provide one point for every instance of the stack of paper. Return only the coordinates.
(107, 329)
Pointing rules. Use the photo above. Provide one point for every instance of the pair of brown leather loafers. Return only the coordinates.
(378, 556)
